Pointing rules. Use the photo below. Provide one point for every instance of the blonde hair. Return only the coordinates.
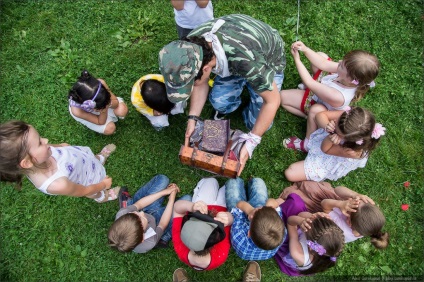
(126, 233)
(368, 220)
(363, 67)
(267, 228)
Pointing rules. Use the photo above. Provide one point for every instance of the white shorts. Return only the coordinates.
(100, 128)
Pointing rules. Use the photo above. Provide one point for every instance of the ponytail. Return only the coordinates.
(380, 240)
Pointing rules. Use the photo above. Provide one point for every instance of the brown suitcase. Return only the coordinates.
(206, 161)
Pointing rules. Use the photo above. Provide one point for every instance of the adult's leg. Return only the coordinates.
(156, 184)
(234, 192)
(183, 32)
(257, 192)
(225, 93)
(206, 190)
(251, 112)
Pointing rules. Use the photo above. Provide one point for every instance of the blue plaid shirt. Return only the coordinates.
(243, 245)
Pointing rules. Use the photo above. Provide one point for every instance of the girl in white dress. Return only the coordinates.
(342, 143)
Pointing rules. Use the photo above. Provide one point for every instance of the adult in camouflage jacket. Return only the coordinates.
(241, 51)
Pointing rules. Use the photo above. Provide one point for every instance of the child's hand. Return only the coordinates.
(225, 217)
(295, 53)
(335, 139)
(201, 207)
(107, 181)
(366, 199)
(305, 225)
(320, 214)
(331, 126)
(171, 188)
(299, 46)
(252, 213)
(350, 205)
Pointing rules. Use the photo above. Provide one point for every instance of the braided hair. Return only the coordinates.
(357, 126)
(326, 233)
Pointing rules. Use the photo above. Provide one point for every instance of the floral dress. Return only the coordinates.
(76, 163)
(320, 166)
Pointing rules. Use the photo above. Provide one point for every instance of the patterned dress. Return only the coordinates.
(320, 166)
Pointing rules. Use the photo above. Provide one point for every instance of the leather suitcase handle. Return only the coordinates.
(226, 154)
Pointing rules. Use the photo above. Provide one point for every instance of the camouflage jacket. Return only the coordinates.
(254, 50)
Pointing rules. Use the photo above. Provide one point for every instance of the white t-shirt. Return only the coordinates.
(192, 15)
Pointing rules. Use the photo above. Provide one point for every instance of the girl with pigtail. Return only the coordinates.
(356, 214)
(337, 142)
(314, 244)
(93, 104)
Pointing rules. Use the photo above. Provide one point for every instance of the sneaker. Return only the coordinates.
(123, 196)
(180, 275)
(161, 244)
(252, 272)
(301, 86)
(219, 116)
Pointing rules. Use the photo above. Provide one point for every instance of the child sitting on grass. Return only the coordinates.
(149, 97)
(342, 143)
(313, 246)
(349, 80)
(53, 169)
(356, 214)
(258, 229)
(144, 222)
(93, 104)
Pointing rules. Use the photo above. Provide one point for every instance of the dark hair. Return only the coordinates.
(208, 53)
(267, 228)
(154, 95)
(85, 89)
(126, 233)
(368, 220)
(326, 233)
(364, 68)
(357, 125)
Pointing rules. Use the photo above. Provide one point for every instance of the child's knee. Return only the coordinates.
(234, 189)
(289, 173)
(121, 110)
(110, 128)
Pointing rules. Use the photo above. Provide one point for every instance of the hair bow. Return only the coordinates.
(378, 131)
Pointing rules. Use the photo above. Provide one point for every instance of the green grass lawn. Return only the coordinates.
(46, 44)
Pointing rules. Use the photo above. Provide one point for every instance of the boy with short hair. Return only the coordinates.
(143, 222)
(258, 230)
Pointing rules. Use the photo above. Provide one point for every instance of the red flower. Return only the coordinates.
(406, 184)
(405, 207)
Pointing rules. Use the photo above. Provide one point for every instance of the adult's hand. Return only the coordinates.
(244, 157)
(189, 131)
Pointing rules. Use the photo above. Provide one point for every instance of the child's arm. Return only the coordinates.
(166, 216)
(328, 120)
(296, 250)
(330, 145)
(246, 208)
(63, 186)
(177, 4)
(114, 103)
(96, 119)
(59, 145)
(202, 3)
(328, 94)
(346, 193)
(145, 201)
(181, 207)
(225, 217)
(347, 206)
(274, 203)
(315, 58)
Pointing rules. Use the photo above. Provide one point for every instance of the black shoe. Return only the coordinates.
(219, 116)
(161, 244)
(123, 196)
